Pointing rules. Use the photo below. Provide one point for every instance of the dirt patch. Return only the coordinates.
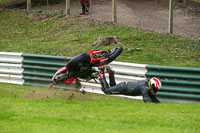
(58, 93)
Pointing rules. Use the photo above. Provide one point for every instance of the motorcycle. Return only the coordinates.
(89, 71)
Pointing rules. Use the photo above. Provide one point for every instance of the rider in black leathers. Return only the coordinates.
(140, 88)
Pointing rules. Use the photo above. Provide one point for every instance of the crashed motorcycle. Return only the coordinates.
(87, 71)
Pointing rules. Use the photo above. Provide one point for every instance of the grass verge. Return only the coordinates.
(35, 109)
(34, 32)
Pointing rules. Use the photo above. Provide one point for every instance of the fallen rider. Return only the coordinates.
(145, 88)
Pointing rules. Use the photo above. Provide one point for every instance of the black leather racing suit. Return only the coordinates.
(139, 88)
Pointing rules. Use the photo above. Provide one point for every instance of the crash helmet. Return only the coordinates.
(154, 85)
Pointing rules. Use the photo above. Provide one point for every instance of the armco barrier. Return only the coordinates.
(11, 68)
(38, 69)
(179, 84)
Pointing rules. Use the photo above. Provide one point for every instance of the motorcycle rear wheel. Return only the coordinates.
(113, 54)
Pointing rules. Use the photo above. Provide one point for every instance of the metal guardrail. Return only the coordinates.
(9, 57)
(174, 72)
(179, 84)
(39, 69)
(11, 68)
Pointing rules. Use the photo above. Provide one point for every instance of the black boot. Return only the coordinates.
(87, 5)
(86, 10)
(111, 74)
(83, 8)
(104, 85)
(102, 79)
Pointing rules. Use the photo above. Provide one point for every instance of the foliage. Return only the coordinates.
(196, 1)
(35, 109)
(37, 12)
(5, 1)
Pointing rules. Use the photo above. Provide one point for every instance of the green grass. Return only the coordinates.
(36, 110)
(68, 36)
(5, 1)
(196, 1)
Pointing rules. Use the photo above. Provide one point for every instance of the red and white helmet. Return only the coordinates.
(154, 85)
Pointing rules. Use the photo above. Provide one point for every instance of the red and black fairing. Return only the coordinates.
(67, 81)
(98, 57)
(61, 70)
(84, 62)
